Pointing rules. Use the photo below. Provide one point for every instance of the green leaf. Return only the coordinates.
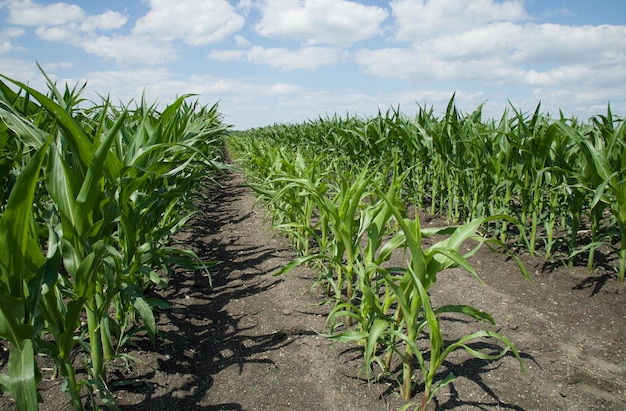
(450, 378)
(462, 343)
(158, 303)
(298, 262)
(28, 134)
(347, 336)
(467, 310)
(63, 186)
(75, 135)
(434, 331)
(374, 332)
(134, 293)
(84, 281)
(452, 259)
(12, 317)
(15, 229)
(23, 376)
(87, 195)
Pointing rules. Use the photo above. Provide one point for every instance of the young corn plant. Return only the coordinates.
(292, 209)
(604, 175)
(339, 211)
(375, 226)
(408, 287)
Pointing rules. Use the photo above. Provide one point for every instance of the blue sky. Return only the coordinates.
(286, 61)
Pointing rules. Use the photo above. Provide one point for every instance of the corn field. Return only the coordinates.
(560, 178)
(348, 193)
(90, 197)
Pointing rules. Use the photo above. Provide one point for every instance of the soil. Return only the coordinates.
(250, 340)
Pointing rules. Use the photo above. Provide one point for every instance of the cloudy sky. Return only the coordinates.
(279, 61)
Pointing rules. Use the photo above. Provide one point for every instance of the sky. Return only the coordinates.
(289, 61)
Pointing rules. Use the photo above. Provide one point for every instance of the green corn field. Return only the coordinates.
(341, 189)
(91, 196)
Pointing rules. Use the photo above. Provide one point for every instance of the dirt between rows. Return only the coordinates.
(250, 341)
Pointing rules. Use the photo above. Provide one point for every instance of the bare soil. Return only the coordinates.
(250, 340)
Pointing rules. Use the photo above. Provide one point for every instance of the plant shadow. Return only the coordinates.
(198, 336)
(471, 369)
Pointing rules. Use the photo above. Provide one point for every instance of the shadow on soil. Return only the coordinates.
(471, 369)
(200, 337)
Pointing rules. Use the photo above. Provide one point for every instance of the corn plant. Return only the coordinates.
(23, 268)
(82, 226)
(339, 211)
(103, 191)
(604, 175)
(404, 311)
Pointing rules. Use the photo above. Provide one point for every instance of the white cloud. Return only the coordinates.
(558, 76)
(68, 23)
(306, 57)
(402, 63)
(423, 65)
(478, 41)
(579, 102)
(579, 76)
(250, 101)
(108, 20)
(27, 13)
(283, 88)
(246, 5)
(126, 85)
(69, 33)
(563, 11)
(303, 58)
(62, 16)
(486, 50)
(22, 70)
(315, 22)
(6, 40)
(5, 47)
(531, 43)
(56, 65)
(505, 52)
(12, 32)
(552, 42)
(195, 22)
(417, 19)
(227, 55)
(127, 50)
(165, 85)
(241, 41)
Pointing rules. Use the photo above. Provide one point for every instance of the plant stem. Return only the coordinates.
(105, 338)
(393, 340)
(407, 373)
(70, 376)
(95, 343)
(622, 252)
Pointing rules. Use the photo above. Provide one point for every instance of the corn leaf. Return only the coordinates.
(15, 225)
(23, 376)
